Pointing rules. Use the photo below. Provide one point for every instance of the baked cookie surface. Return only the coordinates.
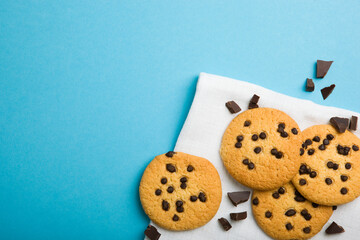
(259, 148)
(179, 191)
(285, 214)
(329, 173)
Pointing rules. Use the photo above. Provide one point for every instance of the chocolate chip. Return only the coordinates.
(281, 190)
(330, 137)
(252, 105)
(334, 228)
(179, 209)
(254, 137)
(284, 134)
(262, 135)
(330, 164)
(255, 201)
(232, 107)
(301, 151)
(202, 197)
(157, 192)
(257, 150)
(303, 169)
(347, 165)
(163, 180)
(340, 124)
(273, 151)
(353, 123)
(255, 99)
(306, 214)
(225, 224)
(322, 67)
(245, 161)
(307, 230)
(183, 185)
(288, 226)
(170, 189)
(315, 205)
(344, 178)
(193, 198)
(294, 131)
(238, 197)
(171, 168)
(313, 174)
(179, 203)
(279, 155)
(175, 218)
(304, 146)
(326, 142)
(190, 168)
(247, 123)
(311, 151)
(268, 214)
(302, 182)
(322, 147)
(165, 205)
(238, 216)
(170, 154)
(276, 195)
(355, 148)
(251, 166)
(308, 142)
(334, 208)
(280, 130)
(326, 91)
(238, 145)
(328, 181)
(183, 179)
(281, 125)
(152, 233)
(336, 166)
(346, 150)
(240, 138)
(316, 139)
(310, 86)
(290, 212)
(343, 191)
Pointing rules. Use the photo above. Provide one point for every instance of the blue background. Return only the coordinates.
(91, 92)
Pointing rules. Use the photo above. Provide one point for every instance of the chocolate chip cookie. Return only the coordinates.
(258, 148)
(285, 214)
(179, 191)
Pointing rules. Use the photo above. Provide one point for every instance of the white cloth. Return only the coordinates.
(201, 136)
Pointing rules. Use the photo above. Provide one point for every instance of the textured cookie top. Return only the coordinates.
(330, 170)
(285, 214)
(259, 148)
(179, 191)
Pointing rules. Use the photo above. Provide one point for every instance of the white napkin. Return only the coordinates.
(201, 136)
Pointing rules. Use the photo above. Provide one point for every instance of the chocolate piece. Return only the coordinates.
(170, 154)
(193, 198)
(165, 205)
(281, 190)
(307, 230)
(255, 201)
(163, 180)
(257, 150)
(157, 192)
(175, 218)
(254, 137)
(334, 228)
(273, 151)
(353, 123)
(336, 166)
(252, 105)
(224, 223)
(262, 135)
(279, 155)
(308, 142)
(238, 216)
(233, 107)
(298, 197)
(245, 161)
(239, 138)
(313, 174)
(355, 148)
(183, 179)
(322, 67)
(276, 195)
(315, 205)
(179, 209)
(284, 134)
(330, 137)
(190, 168)
(340, 124)
(171, 168)
(238, 197)
(328, 181)
(326, 142)
(316, 139)
(289, 226)
(302, 182)
(322, 147)
(268, 214)
(202, 197)
(281, 125)
(179, 203)
(290, 212)
(303, 169)
(152, 233)
(330, 164)
(310, 86)
(306, 214)
(311, 151)
(238, 145)
(247, 123)
(334, 208)
(326, 91)
(347, 165)
(343, 191)
(255, 99)
(344, 178)
(251, 166)
(183, 185)
(170, 189)
(301, 151)
(294, 131)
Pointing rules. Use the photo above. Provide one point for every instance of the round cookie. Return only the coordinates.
(330, 170)
(258, 148)
(179, 191)
(285, 214)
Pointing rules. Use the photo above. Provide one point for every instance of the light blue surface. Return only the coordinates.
(91, 92)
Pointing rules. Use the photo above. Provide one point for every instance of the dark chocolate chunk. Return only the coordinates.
(238, 145)
(298, 197)
(284, 134)
(183, 179)
(294, 131)
(311, 151)
(233, 107)
(315, 205)
(343, 191)
(328, 181)
(322, 67)
(334, 208)
(190, 168)
(251, 166)
(262, 135)
(152, 233)
(240, 138)
(334, 228)
(302, 182)
(353, 123)
(171, 168)
(255, 201)
(355, 148)
(340, 124)
(179, 203)
(202, 197)
(165, 205)
(326, 142)
(157, 192)
(193, 198)
(326, 91)
(330, 164)
(268, 214)
(273, 151)
(344, 178)
(316, 139)
(245, 161)
(279, 155)
(164, 180)
(290, 212)
(288, 226)
(238, 216)
(310, 86)
(336, 166)
(276, 195)
(303, 169)
(313, 174)
(238, 197)
(322, 147)
(254, 137)
(281, 125)
(225, 224)
(170, 189)
(330, 137)
(306, 215)
(179, 209)
(247, 123)
(307, 230)
(301, 151)
(183, 185)
(346, 150)
(347, 165)
(252, 105)
(170, 154)
(308, 142)
(255, 99)
(175, 218)
(257, 150)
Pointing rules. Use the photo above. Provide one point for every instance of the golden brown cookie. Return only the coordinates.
(330, 169)
(179, 191)
(258, 148)
(285, 214)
